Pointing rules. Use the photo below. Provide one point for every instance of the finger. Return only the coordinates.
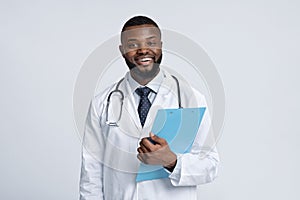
(143, 149)
(140, 150)
(159, 140)
(142, 158)
(147, 144)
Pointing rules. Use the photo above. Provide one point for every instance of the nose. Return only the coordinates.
(143, 49)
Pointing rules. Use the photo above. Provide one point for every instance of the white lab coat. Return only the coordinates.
(109, 162)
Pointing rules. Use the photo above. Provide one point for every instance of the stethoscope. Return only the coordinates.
(116, 90)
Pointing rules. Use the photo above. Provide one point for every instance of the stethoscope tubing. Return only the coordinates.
(116, 90)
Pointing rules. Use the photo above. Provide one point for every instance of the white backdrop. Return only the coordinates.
(254, 45)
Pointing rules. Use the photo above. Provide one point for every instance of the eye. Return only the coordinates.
(151, 44)
(132, 45)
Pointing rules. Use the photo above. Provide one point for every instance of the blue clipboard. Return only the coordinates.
(179, 128)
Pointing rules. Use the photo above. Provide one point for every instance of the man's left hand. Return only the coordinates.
(158, 153)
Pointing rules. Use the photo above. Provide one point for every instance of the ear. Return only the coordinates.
(122, 50)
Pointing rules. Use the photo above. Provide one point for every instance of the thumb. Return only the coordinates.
(156, 139)
(153, 137)
(151, 134)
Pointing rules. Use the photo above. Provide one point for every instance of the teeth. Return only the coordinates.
(145, 59)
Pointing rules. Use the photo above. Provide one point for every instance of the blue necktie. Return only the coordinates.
(144, 104)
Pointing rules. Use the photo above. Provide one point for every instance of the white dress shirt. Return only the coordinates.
(154, 85)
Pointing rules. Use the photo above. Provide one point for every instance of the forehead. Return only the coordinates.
(140, 32)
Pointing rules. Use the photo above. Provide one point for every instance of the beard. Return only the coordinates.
(148, 74)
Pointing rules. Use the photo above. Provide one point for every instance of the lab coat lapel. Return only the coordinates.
(129, 110)
(165, 91)
(165, 98)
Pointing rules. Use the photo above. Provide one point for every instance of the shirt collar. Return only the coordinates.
(154, 84)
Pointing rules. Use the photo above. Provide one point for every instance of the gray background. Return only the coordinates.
(254, 45)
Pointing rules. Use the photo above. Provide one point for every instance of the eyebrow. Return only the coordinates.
(151, 37)
(148, 38)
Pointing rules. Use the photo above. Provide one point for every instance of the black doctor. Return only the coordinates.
(141, 47)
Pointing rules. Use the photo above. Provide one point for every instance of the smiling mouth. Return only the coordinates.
(144, 60)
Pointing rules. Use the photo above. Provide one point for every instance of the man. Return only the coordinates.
(111, 155)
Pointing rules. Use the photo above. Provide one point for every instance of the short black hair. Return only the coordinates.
(139, 20)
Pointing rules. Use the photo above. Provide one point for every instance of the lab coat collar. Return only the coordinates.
(167, 85)
(154, 84)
